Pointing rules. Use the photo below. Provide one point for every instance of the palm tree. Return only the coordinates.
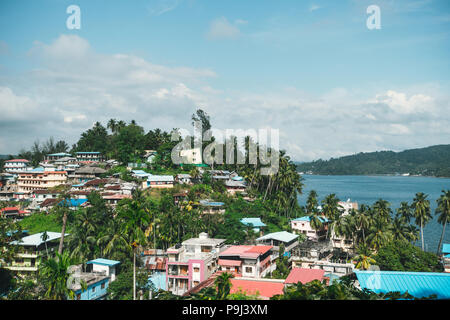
(44, 238)
(64, 210)
(54, 276)
(405, 211)
(223, 285)
(364, 258)
(422, 212)
(400, 230)
(383, 209)
(444, 210)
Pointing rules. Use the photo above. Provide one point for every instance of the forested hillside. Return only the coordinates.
(430, 161)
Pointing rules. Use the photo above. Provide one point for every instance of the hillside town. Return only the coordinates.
(265, 265)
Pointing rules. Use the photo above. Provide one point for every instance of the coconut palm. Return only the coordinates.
(400, 230)
(54, 277)
(404, 211)
(382, 208)
(223, 285)
(443, 209)
(364, 258)
(421, 212)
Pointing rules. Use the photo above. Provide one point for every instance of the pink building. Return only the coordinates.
(16, 165)
(192, 262)
(248, 261)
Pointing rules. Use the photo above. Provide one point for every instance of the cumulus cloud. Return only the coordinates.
(74, 87)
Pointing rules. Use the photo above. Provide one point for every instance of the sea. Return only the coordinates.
(395, 189)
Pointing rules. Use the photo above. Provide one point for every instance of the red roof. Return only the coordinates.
(259, 249)
(304, 275)
(246, 251)
(230, 263)
(9, 209)
(265, 289)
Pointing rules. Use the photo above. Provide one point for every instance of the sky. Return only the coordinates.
(311, 69)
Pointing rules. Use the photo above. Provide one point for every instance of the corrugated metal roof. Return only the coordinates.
(283, 236)
(36, 239)
(418, 284)
(104, 262)
(160, 178)
(255, 222)
(308, 218)
(446, 248)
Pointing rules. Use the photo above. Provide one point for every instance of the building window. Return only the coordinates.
(103, 285)
(93, 289)
(196, 269)
(248, 269)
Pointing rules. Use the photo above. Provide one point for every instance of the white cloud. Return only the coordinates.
(314, 7)
(221, 28)
(65, 96)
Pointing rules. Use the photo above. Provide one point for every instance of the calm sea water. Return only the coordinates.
(395, 189)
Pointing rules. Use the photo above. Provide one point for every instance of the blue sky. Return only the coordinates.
(285, 64)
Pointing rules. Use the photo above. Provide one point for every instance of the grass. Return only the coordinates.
(40, 222)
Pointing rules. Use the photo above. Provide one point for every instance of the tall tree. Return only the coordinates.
(422, 212)
(443, 210)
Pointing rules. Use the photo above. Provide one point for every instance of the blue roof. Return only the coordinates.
(104, 262)
(308, 218)
(74, 202)
(87, 152)
(212, 204)
(158, 280)
(446, 248)
(418, 284)
(62, 154)
(255, 222)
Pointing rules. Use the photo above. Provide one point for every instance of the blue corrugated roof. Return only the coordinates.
(446, 248)
(73, 202)
(308, 218)
(255, 222)
(104, 262)
(418, 284)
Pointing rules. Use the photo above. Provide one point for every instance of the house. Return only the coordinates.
(418, 284)
(256, 223)
(264, 289)
(114, 199)
(192, 262)
(446, 256)
(275, 239)
(248, 261)
(210, 207)
(6, 179)
(158, 181)
(154, 261)
(57, 156)
(38, 179)
(30, 250)
(16, 165)
(234, 186)
(348, 206)
(183, 178)
(100, 273)
(91, 156)
(304, 275)
(41, 195)
(149, 155)
(180, 197)
(303, 225)
(191, 156)
(86, 173)
(13, 213)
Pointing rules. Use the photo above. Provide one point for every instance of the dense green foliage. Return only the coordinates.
(430, 161)
(403, 256)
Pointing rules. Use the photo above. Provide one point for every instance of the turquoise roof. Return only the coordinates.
(36, 239)
(61, 154)
(446, 248)
(418, 284)
(255, 222)
(73, 202)
(308, 218)
(104, 262)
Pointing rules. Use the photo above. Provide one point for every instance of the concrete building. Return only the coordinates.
(16, 165)
(33, 180)
(248, 261)
(192, 262)
(303, 225)
(158, 181)
(30, 249)
(276, 239)
(92, 156)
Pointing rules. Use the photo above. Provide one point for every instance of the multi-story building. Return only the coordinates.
(16, 165)
(99, 274)
(248, 261)
(446, 256)
(57, 156)
(192, 262)
(33, 180)
(303, 225)
(158, 181)
(31, 249)
(276, 239)
(93, 156)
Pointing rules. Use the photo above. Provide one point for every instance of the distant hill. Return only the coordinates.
(430, 161)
